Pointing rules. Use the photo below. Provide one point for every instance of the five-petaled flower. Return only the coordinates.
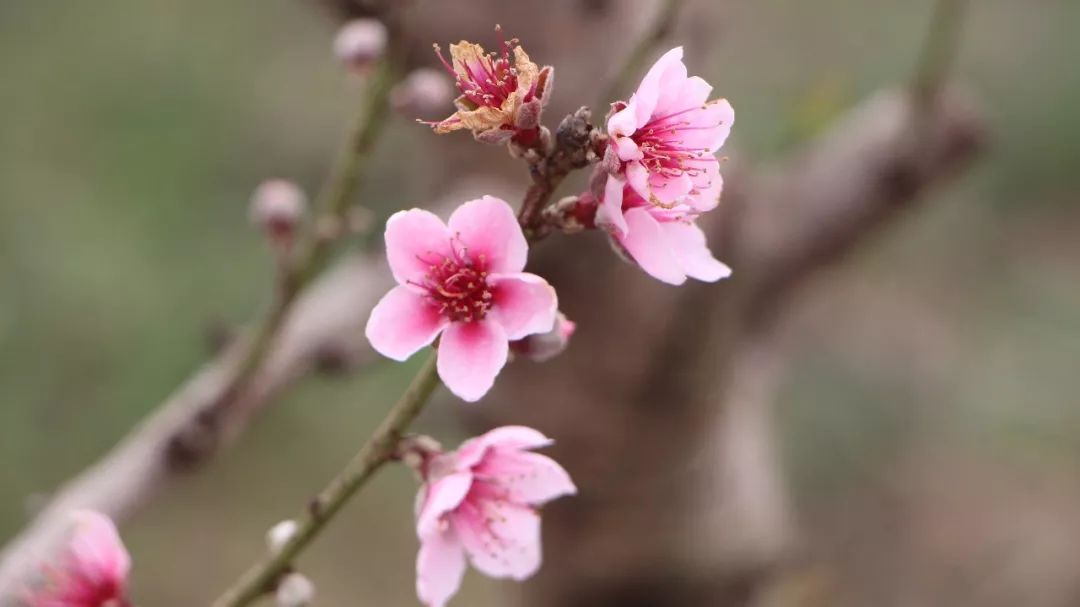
(93, 568)
(502, 97)
(462, 279)
(481, 502)
(664, 172)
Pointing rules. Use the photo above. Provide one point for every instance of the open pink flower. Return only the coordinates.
(663, 142)
(480, 502)
(93, 569)
(462, 279)
(664, 241)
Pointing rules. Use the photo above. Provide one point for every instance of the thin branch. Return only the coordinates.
(938, 50)
(378, 450)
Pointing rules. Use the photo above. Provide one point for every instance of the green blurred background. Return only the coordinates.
(934, 385)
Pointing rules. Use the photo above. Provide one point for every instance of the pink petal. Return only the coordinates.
(470, 356)
(506, 438)
(722, 112)
(501, 538)
(624, 122)
(441, 497)
(609, 215)
(648, 92)
(627, 149)
(440, 565)
(525, 477)
(96, 549)
(637, 176)
(668, 191)
(708, 186)
(523, 303)
(487, 227)
(648, 245)
(415, 240)
(688, 242)
(402, 323)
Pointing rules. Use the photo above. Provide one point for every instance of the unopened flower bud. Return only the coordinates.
(280, 534)
(359, 43)
(295, 590)
(416, 451)
(422, 93)
(545, 346)
(277, 206)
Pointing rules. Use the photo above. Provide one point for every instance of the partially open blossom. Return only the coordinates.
(360, 42)
(663, 171)
(664, 241)
(462, 279)
(545, 346)
(277, 206)
(480, 502)
(92, 570)
(502, 96)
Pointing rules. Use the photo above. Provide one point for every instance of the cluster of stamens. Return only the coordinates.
(491, 79)
(661, 151)
(457, 285)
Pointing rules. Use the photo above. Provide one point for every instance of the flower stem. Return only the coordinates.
(378, 450)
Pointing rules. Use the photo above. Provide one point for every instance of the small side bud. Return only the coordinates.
(295, 590)
(280, 534)
(359, 43)
(417, 451)
(277, 206)
(424, 92)
(545, 346)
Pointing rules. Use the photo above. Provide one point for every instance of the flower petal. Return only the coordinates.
(525, 477)
(440, 565)
(609, 214)
(648, 245)
(415, 240)
(688, 242)
(523, 304)
(96, 549)
(439, 498)
(648, 92)
(402, 323)
(506, 438)
(501, 538)
(487, 226)
(470, 356)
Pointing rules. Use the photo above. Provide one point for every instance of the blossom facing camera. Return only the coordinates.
(93, 569)
(360, 42)
(542, 347)
(665, 242)
(502, 94)
(479, 503)
(462, 279)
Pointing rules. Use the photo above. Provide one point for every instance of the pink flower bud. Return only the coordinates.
(423, 92)
(360, 42)
(295, 590)
(277, 207)
(93, 569)
(545, 346)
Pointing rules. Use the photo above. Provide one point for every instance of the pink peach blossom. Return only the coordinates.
(542, 347)
(464, 280)
(480, 502)
(663, 143)
(664, 241)
(93, 569)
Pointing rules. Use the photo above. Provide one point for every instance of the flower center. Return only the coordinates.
(489, 79)
(663, 145)
(457, 286)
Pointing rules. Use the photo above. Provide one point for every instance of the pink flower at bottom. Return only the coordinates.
(464, 280)
(479, 502)
(664, 241)
(93, 569)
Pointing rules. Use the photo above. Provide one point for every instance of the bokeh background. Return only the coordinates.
(928, 423)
